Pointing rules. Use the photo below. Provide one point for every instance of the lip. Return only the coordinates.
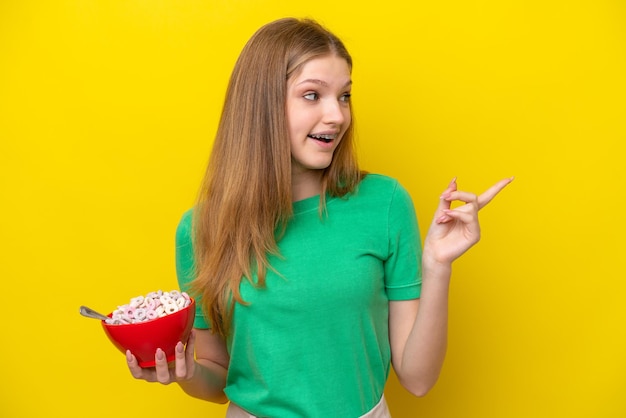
(324, 146)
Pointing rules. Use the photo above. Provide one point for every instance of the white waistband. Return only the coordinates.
(379, 411)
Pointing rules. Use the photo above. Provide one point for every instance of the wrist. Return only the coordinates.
(433, 267)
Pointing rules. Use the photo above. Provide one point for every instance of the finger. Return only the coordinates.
(466, 197)
(133, 365)
(469, 221)
(162, 371)
(467, 218)
(452, 185)
(181, 363)
(443, 219)
(444, 203)
(491, 192)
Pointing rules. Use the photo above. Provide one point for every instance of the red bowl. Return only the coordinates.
(143, 338)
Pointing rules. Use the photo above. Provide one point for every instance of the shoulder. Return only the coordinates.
(382, 186)
(382, 192)
(183, 231)
(376, 194)
(378, 181)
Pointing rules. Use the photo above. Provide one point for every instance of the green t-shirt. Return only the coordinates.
(314, 342)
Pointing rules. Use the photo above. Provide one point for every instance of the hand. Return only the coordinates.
(454, 231)
(162, 373)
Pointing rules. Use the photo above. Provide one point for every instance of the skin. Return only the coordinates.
(318, 104)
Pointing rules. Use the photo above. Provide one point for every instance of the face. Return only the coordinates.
(318, 112)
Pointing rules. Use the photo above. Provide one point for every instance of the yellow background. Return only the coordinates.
(107, 112)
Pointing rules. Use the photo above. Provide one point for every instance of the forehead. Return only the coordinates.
(327, 70)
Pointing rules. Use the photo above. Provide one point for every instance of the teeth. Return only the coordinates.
(325, 138)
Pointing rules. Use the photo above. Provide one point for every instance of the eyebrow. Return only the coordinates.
(322, 82)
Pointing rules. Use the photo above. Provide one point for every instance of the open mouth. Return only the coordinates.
(324, 138)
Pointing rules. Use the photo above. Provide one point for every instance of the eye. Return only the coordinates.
(311, 96)
(345, 97)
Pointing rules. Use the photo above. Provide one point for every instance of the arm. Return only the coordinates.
(418, 329)
(203, 377)
(418, 334)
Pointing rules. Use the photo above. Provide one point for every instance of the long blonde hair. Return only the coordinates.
(245, 199)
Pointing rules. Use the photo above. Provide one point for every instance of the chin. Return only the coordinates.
(309, 167)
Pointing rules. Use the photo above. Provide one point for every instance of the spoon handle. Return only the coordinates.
(90, 313)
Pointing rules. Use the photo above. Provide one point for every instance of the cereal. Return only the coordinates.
(152, 306)
(170, 307)
(136, 302)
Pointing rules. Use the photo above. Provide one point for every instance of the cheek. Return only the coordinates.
(297, 121)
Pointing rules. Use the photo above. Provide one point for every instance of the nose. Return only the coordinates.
(336, 112)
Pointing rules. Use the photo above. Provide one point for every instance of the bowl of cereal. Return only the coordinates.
(156, 320)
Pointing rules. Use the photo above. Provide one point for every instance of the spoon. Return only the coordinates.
(90, 313)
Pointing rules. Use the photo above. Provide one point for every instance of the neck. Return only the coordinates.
(306, 184)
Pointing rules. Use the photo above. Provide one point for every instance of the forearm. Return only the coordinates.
(207, 383)
(425, 347)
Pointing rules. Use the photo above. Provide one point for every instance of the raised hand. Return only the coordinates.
(454, 231)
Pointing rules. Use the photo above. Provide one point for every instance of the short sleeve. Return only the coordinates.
(403, 273)
(185, 268)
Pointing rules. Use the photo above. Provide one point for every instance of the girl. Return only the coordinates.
(309, 273)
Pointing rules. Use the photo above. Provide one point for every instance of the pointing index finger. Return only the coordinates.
(491, 192)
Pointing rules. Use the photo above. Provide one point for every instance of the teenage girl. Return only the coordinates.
(309, 274)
